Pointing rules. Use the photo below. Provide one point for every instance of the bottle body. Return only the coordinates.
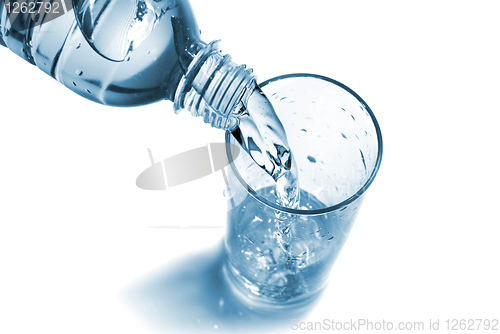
(149, 71)
(131, 53)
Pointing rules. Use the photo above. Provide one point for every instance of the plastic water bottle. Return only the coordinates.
(135, 52)
(128, 53)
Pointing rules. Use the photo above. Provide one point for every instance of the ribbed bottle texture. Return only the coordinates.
(215, 88)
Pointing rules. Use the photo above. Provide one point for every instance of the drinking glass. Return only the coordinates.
(337, 145)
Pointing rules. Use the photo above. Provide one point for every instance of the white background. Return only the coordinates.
(75, 231)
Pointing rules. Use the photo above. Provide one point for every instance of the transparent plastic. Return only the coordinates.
(129, 53)
(337, 145)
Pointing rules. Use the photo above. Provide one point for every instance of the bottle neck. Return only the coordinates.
(215, 88)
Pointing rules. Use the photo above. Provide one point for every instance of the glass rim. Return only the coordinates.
(332, 208)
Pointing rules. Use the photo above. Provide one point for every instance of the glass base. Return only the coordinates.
(246, 293)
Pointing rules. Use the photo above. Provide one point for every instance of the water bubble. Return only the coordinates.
(278, 279)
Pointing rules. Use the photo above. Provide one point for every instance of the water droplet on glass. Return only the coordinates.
(311, 159)
(363, 160)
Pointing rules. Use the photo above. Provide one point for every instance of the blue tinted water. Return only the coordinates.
(281, 268)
